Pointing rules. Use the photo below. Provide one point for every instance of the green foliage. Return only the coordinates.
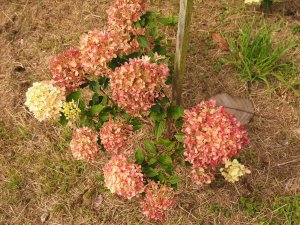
(175, 112)
(259, 60)
(250, 205)
(286, 209)
(139, 156)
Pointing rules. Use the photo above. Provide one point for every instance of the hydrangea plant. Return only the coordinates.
(114, 82)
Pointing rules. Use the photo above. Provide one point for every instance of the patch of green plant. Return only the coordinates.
(15, 181)
(296, 29)
(285, 210)
(258, 59)
(215, 208)
(250, 205)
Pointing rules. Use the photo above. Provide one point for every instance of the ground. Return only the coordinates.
(38, 176)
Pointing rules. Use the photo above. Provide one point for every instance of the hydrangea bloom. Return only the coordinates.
(45, 100)
(123, 178)
(158, 199)
(115, 136)
(98, 48)
(200, 176)
(233, 171)
(84, 144)
(124, 13)
(136, 84)
(253, 1)
(71, 110)
(67, 70)
(211, 135)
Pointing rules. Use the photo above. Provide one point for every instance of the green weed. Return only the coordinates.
(258, 60)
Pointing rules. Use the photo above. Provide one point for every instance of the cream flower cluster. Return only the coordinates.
(115, 136)
(123, 178)
(71, 110)
(158, 199)
(84, 144)
(200, 176)
(136, 84)
(253, 1)
(45, 100)
(233, 170)
(67, 70)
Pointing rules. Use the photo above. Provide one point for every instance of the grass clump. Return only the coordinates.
(259, 60)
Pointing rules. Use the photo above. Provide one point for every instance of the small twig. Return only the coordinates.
(285, 163)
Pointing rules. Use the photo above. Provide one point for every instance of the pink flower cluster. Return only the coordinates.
(84, 144)
(200, 176)
(136, 84)
(124, 13)
(67, 70)
(123, 178)
(115, 136)
(159, 198)
(211, 135)
(98, 48)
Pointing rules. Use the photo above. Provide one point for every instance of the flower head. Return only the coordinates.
(122, 14)
(84, 144)
(136, 84)
(233, 170)
(45, 100)
(115, 136)
(158, 199)
(200, 176)
(211, 135)
(71, 110)
(67, 70)
(98, 48)
(123, 178)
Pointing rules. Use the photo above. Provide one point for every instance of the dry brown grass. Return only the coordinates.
(37, 173)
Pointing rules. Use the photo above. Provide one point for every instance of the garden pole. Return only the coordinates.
(182, 45)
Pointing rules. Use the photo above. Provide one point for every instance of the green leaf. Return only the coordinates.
(136, 124)
(166, 163)
(179, 123)
(104, 100)
(174, 180)
(142, 40)
(63, 120)
(175, 112)
(159, 128)
(150, 172)
(96, 99)
(104, 81)
(179, 137)
(167, 143)
(94, 86)
(151, 161)
(139, 156)
(81, 105)
(74, 96)
(161, 177)
(95, 109)
(150, 146)
(179, 151)
(171, 20)
(104, 116)
(157, 116)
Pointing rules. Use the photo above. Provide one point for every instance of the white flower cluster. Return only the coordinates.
(45, 100)
(233, 170)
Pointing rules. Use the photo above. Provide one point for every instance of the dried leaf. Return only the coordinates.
(45, 217)
(221, 41)
(98, 202)
(241, 108)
